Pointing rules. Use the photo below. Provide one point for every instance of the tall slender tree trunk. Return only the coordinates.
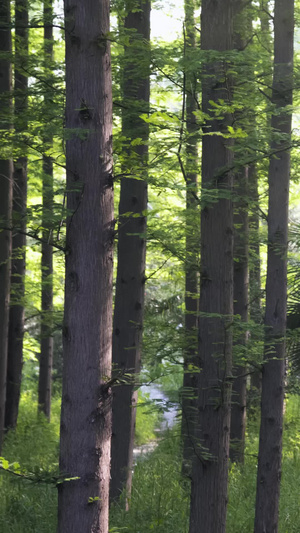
(255, 267)
(130, 285)
(254, 242)
(270, 445)
(46, 356)
(189, 391)
(87, 332)
(265, 35)
(6, 180)
(254, 219)
(210, 469)
(240, 308)
(242, 33)
(16, 312)
(254, 248)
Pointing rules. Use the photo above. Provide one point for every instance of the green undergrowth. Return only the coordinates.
(242, 484)
(160, 497)
(29, 505)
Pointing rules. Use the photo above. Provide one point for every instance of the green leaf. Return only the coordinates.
(4, 464)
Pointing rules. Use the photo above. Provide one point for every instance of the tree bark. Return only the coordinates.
(242, 33)
(17, 311)
(254, 242)
(189, 391)
(130, 285)
(255, 292)
(210, 469)
(255, 277)
(87, 330)
(240, 308)
(46, 356)
(270, 445)
(6, 180)
(254, 247)
(265, 18)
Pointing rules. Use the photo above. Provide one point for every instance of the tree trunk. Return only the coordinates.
(255, 278)
(6, 180)
(87, 331)
(270, 445)
(46, 356)
(254, 246)
(254, 242)
(242, 33)
(189, 391)
(16, 312)
(240, 308)
(130, 285)
(254, 270)
(265, 18)
(210, 469)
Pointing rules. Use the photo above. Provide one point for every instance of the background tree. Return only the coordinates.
(210, 470)
(242, 36)
(189, 392)
(87, 330)
(17, 309)
(270, 447)
(240, 309)
(264, 82)
(130, 284)
(6, 181)
(46, 357)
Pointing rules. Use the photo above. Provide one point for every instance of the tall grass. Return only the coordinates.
(160, 497)
(27, 506)
(242, 479)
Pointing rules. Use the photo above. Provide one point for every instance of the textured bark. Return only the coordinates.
(189, 391)
(242, 33)
(46, 356)
(255, 278)
(6, 180)
(210, 469)
(16, 312)
(270, 445)
(254, 247)
(130, 285)
(87, 331)
(240, 308)
(254, 218)
(255, 292)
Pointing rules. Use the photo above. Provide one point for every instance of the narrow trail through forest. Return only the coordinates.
(169, 413)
